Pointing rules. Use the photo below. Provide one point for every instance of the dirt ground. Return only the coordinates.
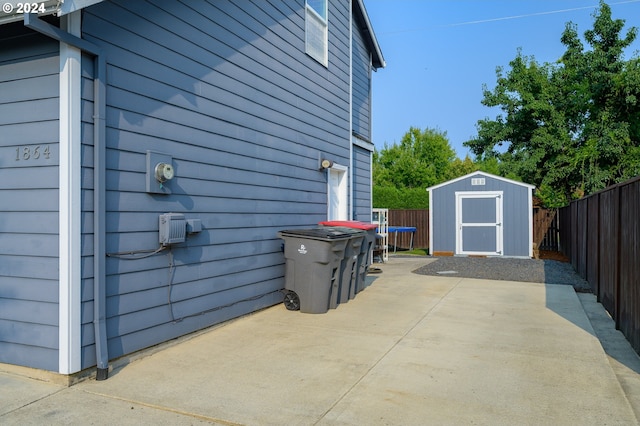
(553, 255)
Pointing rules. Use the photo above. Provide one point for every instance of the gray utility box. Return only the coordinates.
(313, 264)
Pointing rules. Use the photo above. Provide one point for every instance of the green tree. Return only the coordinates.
(422, 159)
(572, 127)
(460, 167)
(402, 172)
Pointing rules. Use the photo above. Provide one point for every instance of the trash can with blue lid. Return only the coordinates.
(364, 261)
(313, 262)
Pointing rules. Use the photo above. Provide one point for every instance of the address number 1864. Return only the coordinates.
(34, 152)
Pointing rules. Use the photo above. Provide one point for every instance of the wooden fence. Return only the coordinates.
(417, 218)
(545, 228)
(600, 234)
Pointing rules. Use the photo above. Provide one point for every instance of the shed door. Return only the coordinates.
(479, 223)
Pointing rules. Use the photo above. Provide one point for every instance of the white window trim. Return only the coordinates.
(310, 13)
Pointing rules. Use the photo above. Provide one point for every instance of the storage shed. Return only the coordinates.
(481, 214)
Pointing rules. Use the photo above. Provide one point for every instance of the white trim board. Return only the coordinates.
(337, 196)
(70, 217)
(482, 174)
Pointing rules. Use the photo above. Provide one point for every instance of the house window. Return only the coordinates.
(316, 30)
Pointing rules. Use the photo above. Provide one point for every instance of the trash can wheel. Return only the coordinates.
(291, 301)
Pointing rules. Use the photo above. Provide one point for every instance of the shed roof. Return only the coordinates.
(479, 173)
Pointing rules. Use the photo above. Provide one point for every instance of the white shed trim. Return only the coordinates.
(498, 196)
(479, 173)
(490, 176)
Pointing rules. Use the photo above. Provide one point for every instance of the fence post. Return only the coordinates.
(616, 302)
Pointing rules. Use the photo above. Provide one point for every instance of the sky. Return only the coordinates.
(440, 53)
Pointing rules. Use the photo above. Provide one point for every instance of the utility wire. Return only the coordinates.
(136, 254)
(506, 18)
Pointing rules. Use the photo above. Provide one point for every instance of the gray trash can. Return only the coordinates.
(313, 262)
(351, 263)
(364, 260)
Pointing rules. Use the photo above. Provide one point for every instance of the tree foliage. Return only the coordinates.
(402, 172)
(572, 127)
(420, 160)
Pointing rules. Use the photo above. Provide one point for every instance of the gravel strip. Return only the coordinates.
(494, 268)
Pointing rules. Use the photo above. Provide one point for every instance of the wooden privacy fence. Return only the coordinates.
(415, 217)
(601, 236)
(545, 228)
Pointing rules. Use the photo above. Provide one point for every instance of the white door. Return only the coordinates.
(337, 202)
(479, 223)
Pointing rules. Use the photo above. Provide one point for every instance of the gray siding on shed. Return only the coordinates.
(516, 214)
(228, 91)
(29, 83)
(361, 184)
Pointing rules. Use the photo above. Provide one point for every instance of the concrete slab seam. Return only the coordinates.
(167, 409)
(375, 364)
(34, 401)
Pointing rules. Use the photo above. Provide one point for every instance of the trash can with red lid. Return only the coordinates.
(364, 259)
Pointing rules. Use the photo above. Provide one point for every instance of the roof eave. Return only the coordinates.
(377, 58)
(478, 172)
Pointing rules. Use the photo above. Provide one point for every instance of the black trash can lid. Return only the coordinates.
(325, 233)
(354, 232)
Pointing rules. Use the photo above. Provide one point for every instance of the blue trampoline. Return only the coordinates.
(396, 229)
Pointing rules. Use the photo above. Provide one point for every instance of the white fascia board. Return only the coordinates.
(479, 173)
(69, 6)
(362, 143)
(377, 52)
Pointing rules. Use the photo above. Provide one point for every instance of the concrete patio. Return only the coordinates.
(408, 350)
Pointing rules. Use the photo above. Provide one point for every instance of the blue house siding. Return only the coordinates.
(361, 112)
(361, 184)
(516, 202)
(88, 352)
(29, 193)
(228, 91)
